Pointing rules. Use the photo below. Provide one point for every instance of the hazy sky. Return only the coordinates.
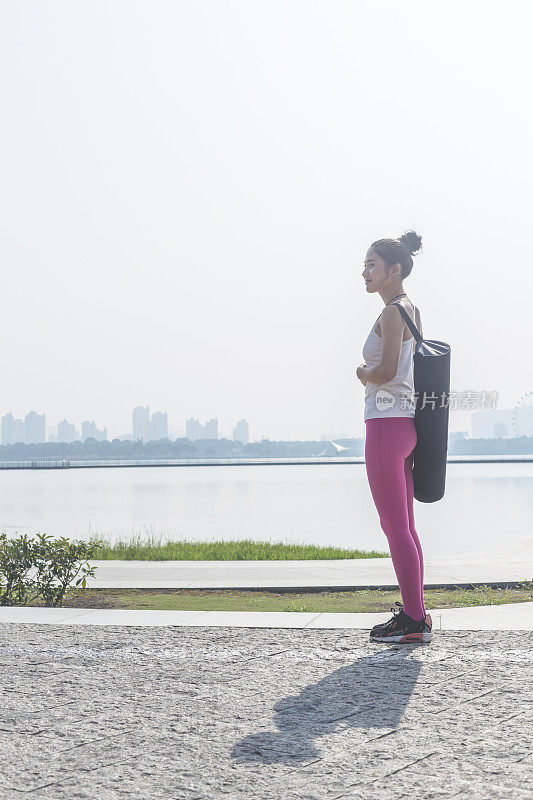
(188, 191)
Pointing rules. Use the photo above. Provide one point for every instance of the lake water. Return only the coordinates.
(486, 506)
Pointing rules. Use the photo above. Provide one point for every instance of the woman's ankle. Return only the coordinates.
(415, 618)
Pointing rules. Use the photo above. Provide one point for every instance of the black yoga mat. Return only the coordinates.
(431, 373)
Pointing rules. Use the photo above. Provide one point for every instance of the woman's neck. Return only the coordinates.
(391, 295)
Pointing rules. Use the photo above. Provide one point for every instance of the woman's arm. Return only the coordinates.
(391, 344)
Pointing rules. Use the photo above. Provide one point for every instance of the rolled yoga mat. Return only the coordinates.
(431, 373)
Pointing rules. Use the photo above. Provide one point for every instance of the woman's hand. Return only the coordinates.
(363, 381)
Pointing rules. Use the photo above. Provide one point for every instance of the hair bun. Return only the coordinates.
(411, 241)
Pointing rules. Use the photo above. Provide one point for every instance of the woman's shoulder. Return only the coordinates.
(409, 307)
(412, 310)
(396, 316)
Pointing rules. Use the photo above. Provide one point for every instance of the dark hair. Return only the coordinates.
(399, 251)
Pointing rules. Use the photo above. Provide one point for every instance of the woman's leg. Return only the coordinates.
(409, 481)
(389, 442)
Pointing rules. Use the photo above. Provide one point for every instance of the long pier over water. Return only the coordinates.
(233, 462)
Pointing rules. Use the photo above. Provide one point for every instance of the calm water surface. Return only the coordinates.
(486, 506)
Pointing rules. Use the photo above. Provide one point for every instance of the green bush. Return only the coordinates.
(43, 567)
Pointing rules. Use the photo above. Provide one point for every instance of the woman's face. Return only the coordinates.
(375, 272)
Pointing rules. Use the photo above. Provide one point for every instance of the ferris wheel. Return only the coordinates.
(523, 416)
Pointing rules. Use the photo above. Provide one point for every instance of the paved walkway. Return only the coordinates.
(511, 617)
(188, 713)
(485, 567)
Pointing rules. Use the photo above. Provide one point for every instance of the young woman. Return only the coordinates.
(390, 402)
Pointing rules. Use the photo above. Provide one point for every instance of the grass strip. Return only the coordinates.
(154, 548)
(315, 602)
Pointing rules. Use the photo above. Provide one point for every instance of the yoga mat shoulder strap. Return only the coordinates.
(412, 327)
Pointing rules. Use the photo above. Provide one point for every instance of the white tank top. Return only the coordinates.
(395, 398)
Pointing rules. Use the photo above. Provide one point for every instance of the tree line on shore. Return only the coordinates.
(227, 448)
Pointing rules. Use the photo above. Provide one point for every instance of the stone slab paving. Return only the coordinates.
(192, 713)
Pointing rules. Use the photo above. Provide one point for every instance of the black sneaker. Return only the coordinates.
(398, 613)
(403, 628)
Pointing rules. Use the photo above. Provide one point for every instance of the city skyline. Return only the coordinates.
(146, 426)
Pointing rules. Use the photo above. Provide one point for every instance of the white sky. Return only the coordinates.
(188, 191)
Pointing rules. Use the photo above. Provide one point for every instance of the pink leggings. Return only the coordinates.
(389, 446)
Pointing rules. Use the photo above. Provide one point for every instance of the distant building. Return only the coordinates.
(149, 429)
(211, 429)
(141, 423)
(12, 429)
(491, 424)
(31, 430)
(19, 430)
(195, 430)
(90, 431)
(241, 432)
(66, 432)
(34, 428)
(7, 428)
(158, 428)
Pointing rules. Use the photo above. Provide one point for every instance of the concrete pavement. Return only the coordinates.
(512, 617)
(495, 567)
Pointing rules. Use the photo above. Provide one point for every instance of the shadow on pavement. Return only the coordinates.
(373, 692)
